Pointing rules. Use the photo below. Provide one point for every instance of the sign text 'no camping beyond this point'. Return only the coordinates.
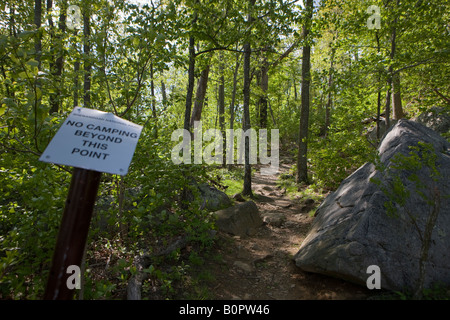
(94, 140)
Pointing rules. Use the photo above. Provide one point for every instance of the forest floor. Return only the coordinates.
(261, 266)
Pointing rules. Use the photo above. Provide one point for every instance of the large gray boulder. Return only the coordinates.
(352, 229)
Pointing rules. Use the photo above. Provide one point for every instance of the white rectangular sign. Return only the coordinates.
(94, 140)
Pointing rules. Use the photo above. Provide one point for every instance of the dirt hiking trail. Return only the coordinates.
(260, 266)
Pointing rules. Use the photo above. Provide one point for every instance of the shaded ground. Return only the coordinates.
(260, 266)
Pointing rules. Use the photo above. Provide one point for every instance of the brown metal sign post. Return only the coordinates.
(92, 142)
(73, 231)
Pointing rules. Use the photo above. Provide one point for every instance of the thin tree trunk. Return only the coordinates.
(202, 87)
(329, 101)
(53, 97)
(87, 63)
(152, 91)
(302, 168)
(387, 108)
(191, 81)
(188, 105)
(76, 82)
(233, 94)
(390, 73)
(12, 24)
(295, 88)
(57, 67)
(232, 104)
(377, 36)
(221, 106)
(37, 83)
(247, 190)
(164, 94)
(37, 22)
(264, 85)
(271, 113)
(396, 98)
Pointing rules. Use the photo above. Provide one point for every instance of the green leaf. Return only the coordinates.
(33, 63)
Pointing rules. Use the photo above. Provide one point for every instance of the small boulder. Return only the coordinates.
(275, 219)
(240, 220)
(243, 266)
(238, 197)
(213, 198)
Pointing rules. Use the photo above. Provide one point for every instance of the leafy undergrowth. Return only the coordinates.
(110, 266)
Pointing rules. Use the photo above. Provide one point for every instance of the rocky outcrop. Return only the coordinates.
(352, 229)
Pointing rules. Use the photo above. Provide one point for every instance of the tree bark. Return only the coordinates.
(391, 72)
(396, 97)
(387, 108)
(264, 85)
(247, 190)
(302, 168)
(191, 80)
(246, 122)
(233, 100)
(202, 87)
(87, 62)
(329, 100)
(12, 23)
(221, 106)
(57, 66)
(76, 83)
(377, 37)
(164, 94)
(37, 22)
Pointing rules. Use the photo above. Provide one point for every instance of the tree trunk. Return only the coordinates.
(152, 90)
(377, 37)
(37, 83)
(387, 108)
(87, 63)
(57, 67)
(247, 190)
(202, 86)
(76, 83)
(37, 22)
(191, 80)
(232, 109)
(233, 94)
(302, 169)
(221, 106)
(329, 101)
(391, 72)
(264, 85)
(12, 24)
(295, 88)
(396, 98)
(164, 94)
(246, 121)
